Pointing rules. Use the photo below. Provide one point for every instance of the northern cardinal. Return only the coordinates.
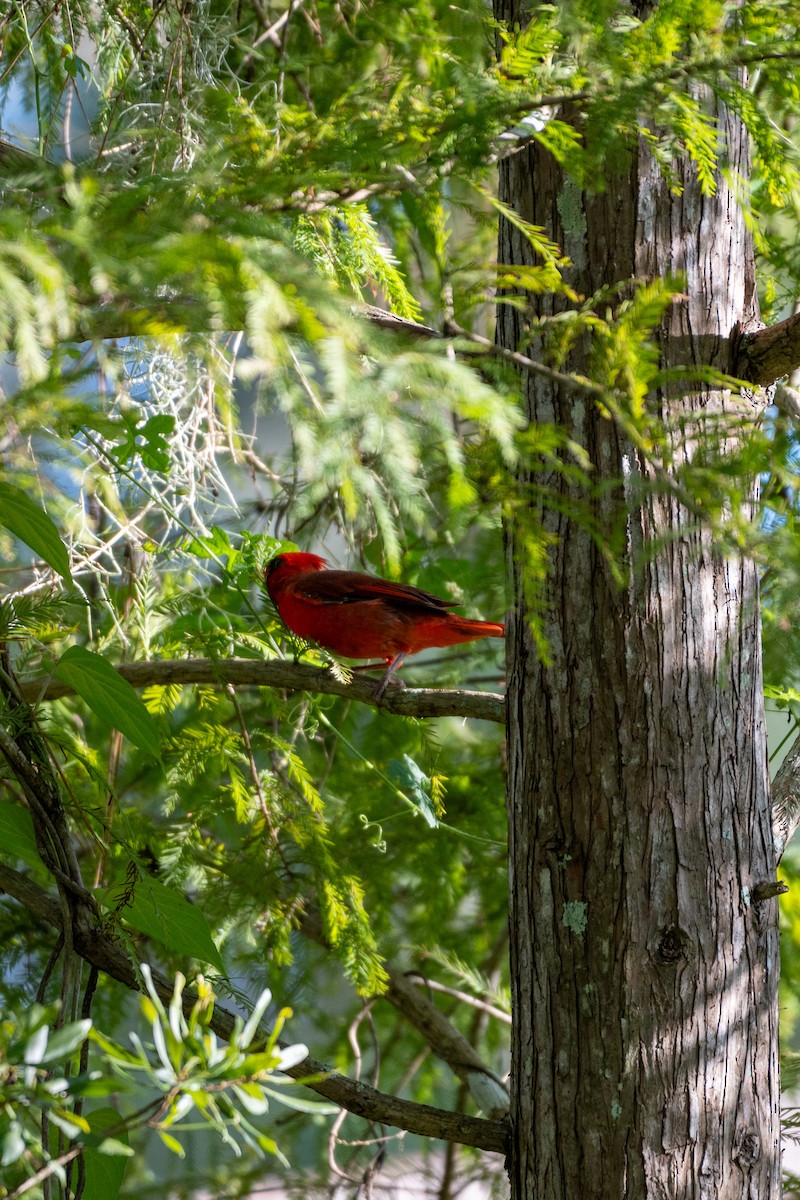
(363, 616)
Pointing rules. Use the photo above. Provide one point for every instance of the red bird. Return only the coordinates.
(363, 616)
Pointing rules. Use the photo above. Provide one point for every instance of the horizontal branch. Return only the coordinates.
(290, 676)
(578, 383)
(765, 355)
(389, 320)
(101, 951)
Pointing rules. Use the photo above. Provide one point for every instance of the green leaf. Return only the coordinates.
(66, 1040)
(113, 1050)
(95, 1084)
(105, 1168)
(115, 1148)
(252, 1098)
(12, 1146)
(166, 915)
(416, 785)
(69, 1123)
(214, 545)
(155, 431)
(109, 696)
(783, 695)
(297, 1102)
(17, 839)
(155, 451)
(31, 524)
(172, 1143)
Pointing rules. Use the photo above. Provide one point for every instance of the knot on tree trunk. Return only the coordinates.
(672, 945)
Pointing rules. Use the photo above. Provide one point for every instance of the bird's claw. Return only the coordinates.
(383, 685)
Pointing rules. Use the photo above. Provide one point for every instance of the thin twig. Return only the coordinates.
(578, 383)
(45, 1172)
(464, 997)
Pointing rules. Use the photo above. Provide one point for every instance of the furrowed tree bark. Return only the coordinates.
(644, 972)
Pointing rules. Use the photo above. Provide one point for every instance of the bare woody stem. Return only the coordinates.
(281, 674)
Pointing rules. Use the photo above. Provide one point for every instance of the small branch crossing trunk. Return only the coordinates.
(645, 1056)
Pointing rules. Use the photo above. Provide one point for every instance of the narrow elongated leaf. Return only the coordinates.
(292, 1100)
(172, 1143)
(69, 1123)
(109, 696)
(66, 1040)
(252, 1098)
(31, 524)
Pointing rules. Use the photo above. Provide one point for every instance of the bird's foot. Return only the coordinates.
(383, 685)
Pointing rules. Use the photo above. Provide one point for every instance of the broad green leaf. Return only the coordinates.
(214, 545)
(166, 915)
(154, 431)
(31, 524)
(17, 839)
(109, 696)
(416, 785)
(105, 1165)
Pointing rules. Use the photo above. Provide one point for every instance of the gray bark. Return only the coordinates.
(289, 676)
(644, 972)
(786, 798)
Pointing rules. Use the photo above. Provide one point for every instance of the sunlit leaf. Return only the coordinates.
(31, 524)
(109, 696)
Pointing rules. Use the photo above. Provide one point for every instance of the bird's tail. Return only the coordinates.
(470, 630)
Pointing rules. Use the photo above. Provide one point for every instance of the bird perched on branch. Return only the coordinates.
(364, 616)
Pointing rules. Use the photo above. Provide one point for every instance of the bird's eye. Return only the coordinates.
(276, 562)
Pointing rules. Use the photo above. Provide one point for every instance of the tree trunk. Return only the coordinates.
(645, 1057)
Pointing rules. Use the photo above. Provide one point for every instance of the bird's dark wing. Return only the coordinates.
(347, 587)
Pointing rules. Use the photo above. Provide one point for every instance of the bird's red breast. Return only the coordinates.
(363, 616)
